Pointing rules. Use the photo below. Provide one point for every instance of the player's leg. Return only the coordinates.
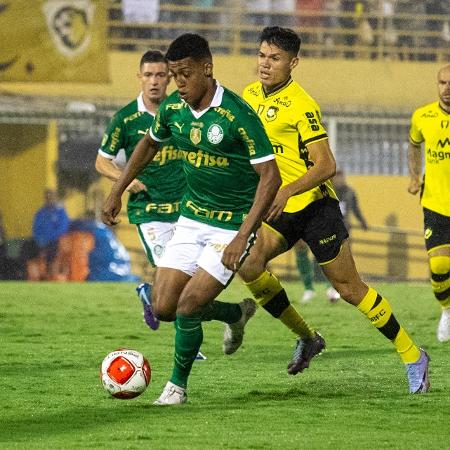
(437, 241)
(195, 250)
(343, 275)
(270, 294)
(305, 268)
(439, 261)
(154, 237)
(265, 287)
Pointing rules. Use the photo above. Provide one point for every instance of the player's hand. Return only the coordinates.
(233, 253)
(136, 186)
(111, 209)
(414, 186)
(278, 205)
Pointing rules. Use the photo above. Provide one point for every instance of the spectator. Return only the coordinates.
(309, 19)
(49, 224)
(348, 201)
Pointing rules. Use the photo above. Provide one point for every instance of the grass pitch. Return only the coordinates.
(54, 336)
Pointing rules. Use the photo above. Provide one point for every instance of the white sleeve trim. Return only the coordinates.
(150, 132)
(105, 155)
(262, 159)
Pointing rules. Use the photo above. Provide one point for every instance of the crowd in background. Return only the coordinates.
(329, 28)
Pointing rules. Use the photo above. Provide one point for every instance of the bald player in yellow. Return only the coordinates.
(306, 207)
(430, 125)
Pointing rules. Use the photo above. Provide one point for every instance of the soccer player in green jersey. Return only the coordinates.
(155, 194)
(306, 207)
(430, 125)
(232, 179)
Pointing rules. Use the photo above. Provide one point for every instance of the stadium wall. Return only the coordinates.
(374, 84)
(28, 155)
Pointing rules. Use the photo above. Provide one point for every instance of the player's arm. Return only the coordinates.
(324, 168)
(142, 155)
(269, 183)
(415, 167)
(108, 168)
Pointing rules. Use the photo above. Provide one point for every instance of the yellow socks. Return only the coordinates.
(269, 294)
(379, 312)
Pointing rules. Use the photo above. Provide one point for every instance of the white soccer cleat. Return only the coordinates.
(234, 332)
(308, 295)
(443, 329)
(171, 395)
(333, 295)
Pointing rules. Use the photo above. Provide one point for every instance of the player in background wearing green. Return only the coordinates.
(306, 207)
(430, 125)
(155, 194)
(232, 179)
(306, 271)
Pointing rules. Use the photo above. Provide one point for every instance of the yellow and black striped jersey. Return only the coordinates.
(292, 120)
(431, 124)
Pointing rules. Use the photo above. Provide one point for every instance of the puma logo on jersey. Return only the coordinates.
(180, 127)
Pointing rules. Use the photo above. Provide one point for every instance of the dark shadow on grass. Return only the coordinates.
(88, 420)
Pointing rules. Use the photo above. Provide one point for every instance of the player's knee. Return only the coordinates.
(439, 265)
(252, 268)
(163, 308)
(189, 303)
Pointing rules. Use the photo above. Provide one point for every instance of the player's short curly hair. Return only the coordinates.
(152, 56)
(284, 38)
(189, 45)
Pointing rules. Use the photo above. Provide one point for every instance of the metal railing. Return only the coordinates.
(408, 32)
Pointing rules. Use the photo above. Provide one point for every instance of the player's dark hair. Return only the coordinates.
(284, 38)
(189, 45)
(152, 56)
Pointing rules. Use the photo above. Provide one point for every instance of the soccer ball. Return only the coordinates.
(125, 373)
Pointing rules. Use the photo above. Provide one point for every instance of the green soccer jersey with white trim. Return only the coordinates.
(164, 176)
(218, 146)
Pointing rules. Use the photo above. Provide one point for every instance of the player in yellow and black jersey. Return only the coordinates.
(306, 208)
(430, 125)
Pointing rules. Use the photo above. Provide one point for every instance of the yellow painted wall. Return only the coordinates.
(387, 84)
(23, 165)
(390, 85)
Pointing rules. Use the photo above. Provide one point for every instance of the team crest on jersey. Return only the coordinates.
(215, 134)
(271, 113)
(158, 250)
(195, 135)
(428, 233)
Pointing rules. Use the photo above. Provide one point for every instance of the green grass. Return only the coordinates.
(53, 338)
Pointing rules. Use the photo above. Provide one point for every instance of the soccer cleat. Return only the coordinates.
(200, 356)
(234, 332)
(171, 395)
(144, 292)
(333, 295)
(305, 350)
(308, 295)
(443, 329)
(418, 374)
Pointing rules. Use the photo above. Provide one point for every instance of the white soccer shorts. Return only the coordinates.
(154, 237)
(196, 244)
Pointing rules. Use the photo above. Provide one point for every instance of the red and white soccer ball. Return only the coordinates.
(125, 373)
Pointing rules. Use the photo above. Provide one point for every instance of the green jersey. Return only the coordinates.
(163, 177)
(218, 146)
